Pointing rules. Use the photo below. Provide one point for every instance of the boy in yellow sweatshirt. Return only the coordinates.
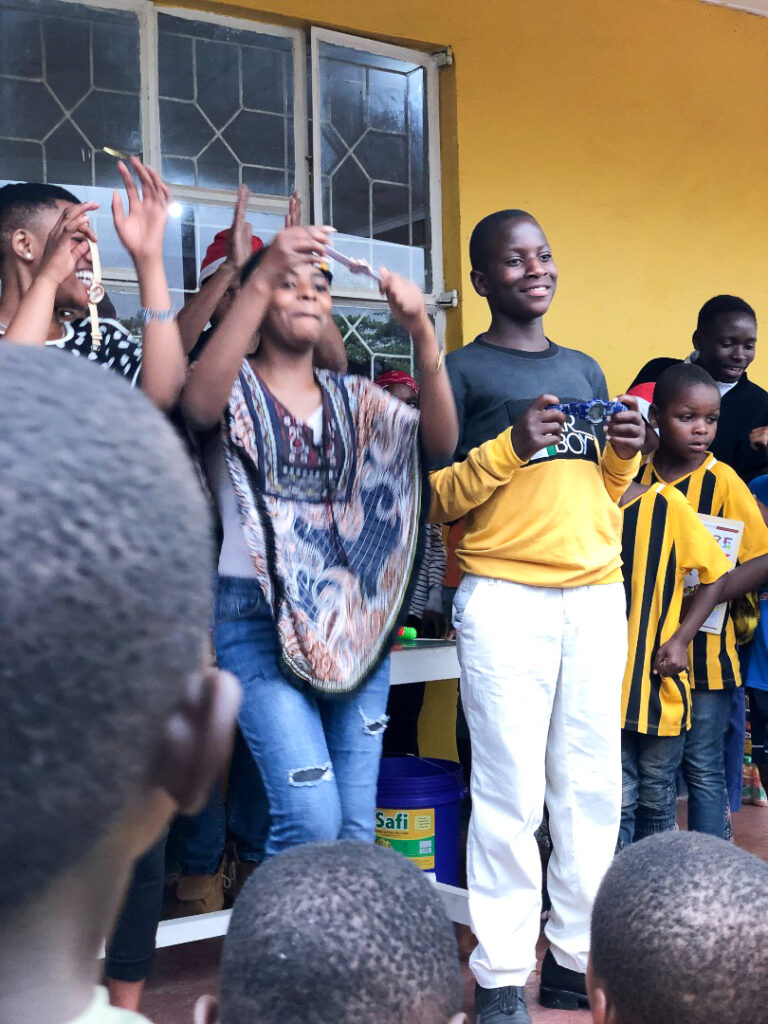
(540, 619)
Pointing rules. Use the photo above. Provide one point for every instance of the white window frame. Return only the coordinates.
(426, 61)
(147, 14)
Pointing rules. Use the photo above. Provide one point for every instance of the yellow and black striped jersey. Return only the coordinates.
(662, 539)
(715, 489)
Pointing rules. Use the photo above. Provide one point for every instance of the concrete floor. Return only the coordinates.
(182, 973)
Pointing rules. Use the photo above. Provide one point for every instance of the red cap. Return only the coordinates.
(216, 253)
(397, 377)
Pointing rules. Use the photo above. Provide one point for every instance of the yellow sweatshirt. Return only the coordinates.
(550, 522)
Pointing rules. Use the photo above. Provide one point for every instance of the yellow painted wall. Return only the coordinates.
(635, 130)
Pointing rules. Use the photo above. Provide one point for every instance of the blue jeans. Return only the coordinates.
(318, 756)
(648, 796)
(198, 841)
(703, 760)
(734, 748)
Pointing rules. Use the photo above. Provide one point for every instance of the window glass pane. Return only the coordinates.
(226, 106)
(373, 161)
(373, 340)
(69, 85)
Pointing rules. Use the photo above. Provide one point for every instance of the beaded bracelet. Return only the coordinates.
(159, 315)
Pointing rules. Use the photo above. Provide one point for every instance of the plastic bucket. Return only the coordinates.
(418, 812)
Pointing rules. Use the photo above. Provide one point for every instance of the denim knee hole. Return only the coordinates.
(310, 776)
(375, 726)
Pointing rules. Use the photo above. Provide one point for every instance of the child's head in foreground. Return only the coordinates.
(680, 934)
(107, 722)
(685, 410)
(344, 932)
(512, 264)
(726, 337)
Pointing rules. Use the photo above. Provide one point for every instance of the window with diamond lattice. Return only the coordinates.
(373, 142)
(226, 107)
(216, 101)
(373, 340)
(69, 85)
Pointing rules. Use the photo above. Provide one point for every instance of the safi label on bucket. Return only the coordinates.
(418, 813)
(410, 832)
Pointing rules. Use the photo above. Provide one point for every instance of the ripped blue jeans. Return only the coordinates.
(318, 756)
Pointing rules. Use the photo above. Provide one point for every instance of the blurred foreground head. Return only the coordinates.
(345, 932)
(107, 723)
(680, 934)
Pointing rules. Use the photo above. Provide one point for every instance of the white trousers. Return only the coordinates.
(541, 673)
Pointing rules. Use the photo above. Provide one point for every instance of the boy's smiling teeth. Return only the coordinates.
(86, 276)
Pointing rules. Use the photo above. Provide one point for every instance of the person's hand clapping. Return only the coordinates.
(293, 217)
(289, 248)
(625, 431)
(758, 439)
(240, 233)
(67, 244)
(538, 427)
(141, 229)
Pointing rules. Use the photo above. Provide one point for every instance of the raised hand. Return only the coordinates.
(141, 229)
(406, 302)
(538, 427)
(240, 233)
(290, 247)
(293, 217)
(67, 244)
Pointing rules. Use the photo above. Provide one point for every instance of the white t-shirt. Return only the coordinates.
(234, 559)
(100, 1012)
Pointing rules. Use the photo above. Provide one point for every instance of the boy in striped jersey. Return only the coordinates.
(685, 410)
(662, 541)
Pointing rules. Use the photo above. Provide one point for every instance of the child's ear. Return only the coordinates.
(603, 1010)
(206, 1011)
(197, 739)
(23, 244)
(653, 416)
(696, 338)
(477, 277)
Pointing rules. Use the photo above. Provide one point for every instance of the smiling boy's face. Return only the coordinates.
(726, 347)
(520, 275)
(72, 293)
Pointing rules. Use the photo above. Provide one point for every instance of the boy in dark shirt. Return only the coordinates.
(46, 265)
(724, 345)
(541, 621)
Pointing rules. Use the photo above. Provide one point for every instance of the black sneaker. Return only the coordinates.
(561, 988)
(501, 1005)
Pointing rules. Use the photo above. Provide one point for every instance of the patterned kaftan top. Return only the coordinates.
(331, 529)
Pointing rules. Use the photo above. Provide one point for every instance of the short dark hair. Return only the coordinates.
(484, 231)
(680, 931)
(720, 304)
(19, 203)
(105, 557)
(342, 932)
(679, 378)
